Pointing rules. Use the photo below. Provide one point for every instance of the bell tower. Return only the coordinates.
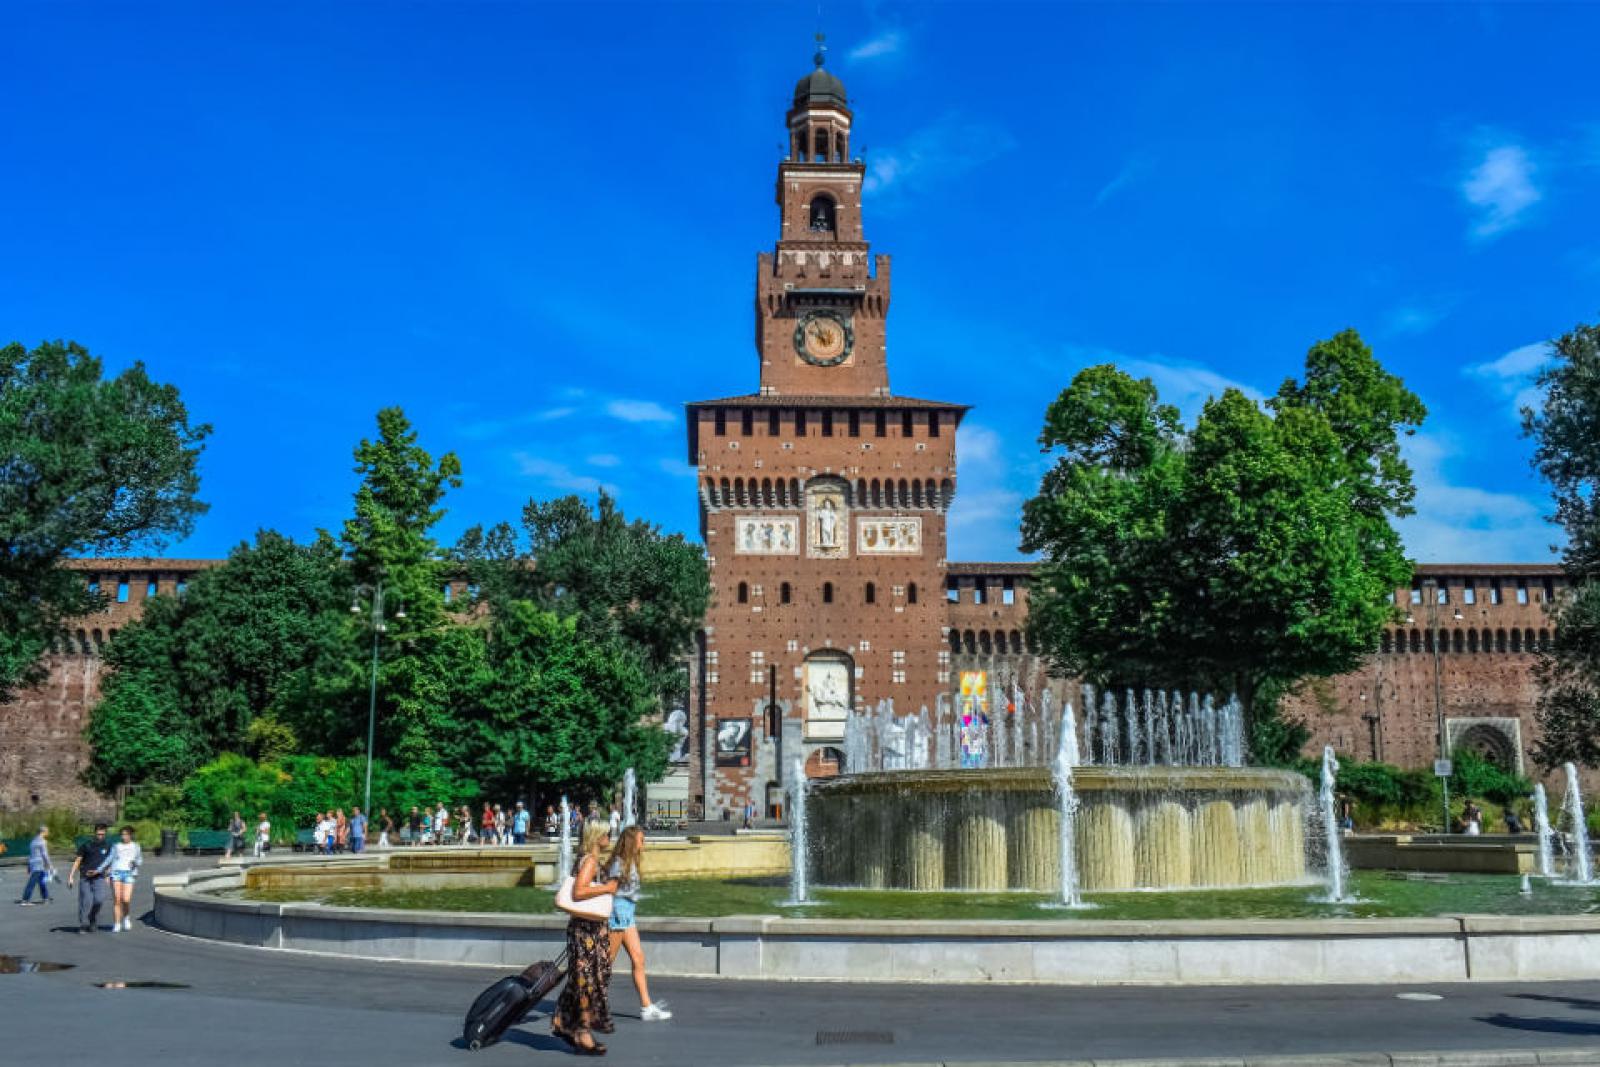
(821, 296)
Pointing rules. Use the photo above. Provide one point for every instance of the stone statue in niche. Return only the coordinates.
(827, 521)
(827, 526)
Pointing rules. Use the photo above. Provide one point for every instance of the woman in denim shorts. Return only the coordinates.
(624, 869)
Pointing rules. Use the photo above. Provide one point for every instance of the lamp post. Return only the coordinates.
(1430, 592)
(379, 627)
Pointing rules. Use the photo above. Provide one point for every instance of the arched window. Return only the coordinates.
(872, 593)
(1544, 640)
(1016, 642)
(955, 641)
(827, 592)
(1416, 640)
(744, 592)
(1516, 640)
(985, 642)
(970, 639)
(911, 593)
(822, 214)
(1472, 640)
(1500, 641)
(1529, 642)
(785, 593)
(1458, 641)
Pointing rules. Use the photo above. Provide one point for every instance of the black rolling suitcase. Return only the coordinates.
(507, 1002)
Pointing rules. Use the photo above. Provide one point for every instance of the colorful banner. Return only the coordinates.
(733, 742)
(973, 709)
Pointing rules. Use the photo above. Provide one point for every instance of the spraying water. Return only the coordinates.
(1067, 798)
(1541, 826)
(564, 865)
(797, 832)
(1582, 869)
(630, 797)
(1330, 826)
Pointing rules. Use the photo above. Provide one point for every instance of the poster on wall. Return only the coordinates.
(973, 710)
(733, 742)
(676, 720)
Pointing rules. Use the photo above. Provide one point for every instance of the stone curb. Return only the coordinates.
(1564, 1057)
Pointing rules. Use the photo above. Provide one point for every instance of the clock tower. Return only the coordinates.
(823, 498)
(821, 297)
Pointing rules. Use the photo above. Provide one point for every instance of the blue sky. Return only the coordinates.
(534, 226)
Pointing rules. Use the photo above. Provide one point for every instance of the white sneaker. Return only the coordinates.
(655, 1013)
(116, 928)
(127, 924)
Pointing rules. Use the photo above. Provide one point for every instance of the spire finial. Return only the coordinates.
(821, 48)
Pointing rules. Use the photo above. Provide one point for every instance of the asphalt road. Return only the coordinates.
(245, 1007)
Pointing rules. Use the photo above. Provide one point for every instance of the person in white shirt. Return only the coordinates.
(126, 858)
(326, 829)
(263, 834)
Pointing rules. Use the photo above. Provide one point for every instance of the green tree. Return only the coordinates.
(557, 709)
(427, 656)
(1248, 552)
(88, 465)
(260, 635)
(1566, 433)
(622, 580)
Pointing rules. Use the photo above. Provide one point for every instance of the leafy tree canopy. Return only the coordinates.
(1566, 433)
(1247, 552)
(89, 465)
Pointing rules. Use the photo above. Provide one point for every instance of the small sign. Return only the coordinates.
(1442, 768)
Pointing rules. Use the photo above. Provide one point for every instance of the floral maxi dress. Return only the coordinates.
(585, 1000)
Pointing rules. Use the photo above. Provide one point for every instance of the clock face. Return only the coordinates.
(824, 337)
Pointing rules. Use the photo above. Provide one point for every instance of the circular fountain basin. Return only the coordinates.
(992, 829)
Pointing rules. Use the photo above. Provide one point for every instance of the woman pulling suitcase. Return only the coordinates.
(585, 1005)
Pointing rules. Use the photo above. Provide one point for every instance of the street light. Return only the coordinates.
(1430, 589)
(379, 628)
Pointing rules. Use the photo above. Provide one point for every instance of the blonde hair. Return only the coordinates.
(593, 831)
(630, 843)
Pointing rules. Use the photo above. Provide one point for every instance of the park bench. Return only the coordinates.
(208, 841)
(305, 841)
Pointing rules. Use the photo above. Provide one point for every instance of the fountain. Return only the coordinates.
(1336, 872)
(1066, 761)
(1541, 826)
(1159, 798)
(799, 855)
(630, 797)
(564, 864)
(1582, 869)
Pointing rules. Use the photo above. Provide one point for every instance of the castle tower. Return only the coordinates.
(822, 495)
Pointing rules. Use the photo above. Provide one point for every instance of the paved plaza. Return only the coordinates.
(244, 1007)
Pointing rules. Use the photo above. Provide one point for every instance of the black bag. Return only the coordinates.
(507, 1002)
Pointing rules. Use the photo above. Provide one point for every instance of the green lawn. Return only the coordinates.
(1382, 895)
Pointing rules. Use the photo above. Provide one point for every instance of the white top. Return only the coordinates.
(264, 830)
(125, 856)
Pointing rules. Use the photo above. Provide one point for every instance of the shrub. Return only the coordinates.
(1475, 776)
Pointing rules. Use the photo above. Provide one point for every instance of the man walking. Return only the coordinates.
(40, 869)
(358, 830)
(94, 890)
(519, 825)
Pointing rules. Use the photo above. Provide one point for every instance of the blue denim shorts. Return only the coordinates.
(126, 877)
(621, 914)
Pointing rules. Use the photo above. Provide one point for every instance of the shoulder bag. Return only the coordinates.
(593, 909)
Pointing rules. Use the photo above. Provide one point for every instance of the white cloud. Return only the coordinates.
(1456, 523)
(950, 147)
(482, 428)
(1501, 188)
(639, 411)
(603, 459)
(1185, 385)
(1131, 171)
(885, 44)
(559, 475)
(677, 468)
(1414, 319)
(1512, 376)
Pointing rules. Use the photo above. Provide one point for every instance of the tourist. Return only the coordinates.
(585, 1005)
(358, 830)
(552, 821)
(126, 857)
(235, 836)
(1472, 817)
(414, 823)
(93, 864)
(441, 824)
(486, 832)
(614, 820)
(502, 827)
(341, 831)
(1513, 820)
(519, 825)
(322, 833)
(624, 870)
(40, 869)
(263, 835)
